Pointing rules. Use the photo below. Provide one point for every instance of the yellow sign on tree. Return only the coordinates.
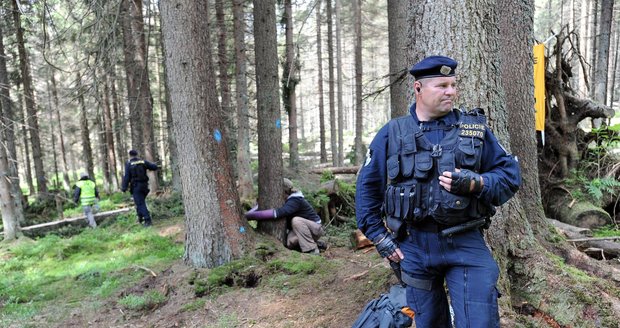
(539, 86)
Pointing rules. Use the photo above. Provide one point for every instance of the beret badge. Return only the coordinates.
(445, 70)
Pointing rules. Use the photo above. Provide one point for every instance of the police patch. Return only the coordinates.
(368, 157)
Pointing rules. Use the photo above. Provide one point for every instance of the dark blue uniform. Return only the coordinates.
(463, 260)
(137, 181)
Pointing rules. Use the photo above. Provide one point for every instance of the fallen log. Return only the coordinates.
(42, 229)
(563, 207)
(337, 170)
(602, 248)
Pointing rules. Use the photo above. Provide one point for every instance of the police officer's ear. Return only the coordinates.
(417, 89)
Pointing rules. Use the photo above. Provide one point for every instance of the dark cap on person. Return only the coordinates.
(133, 152)
(434, 66)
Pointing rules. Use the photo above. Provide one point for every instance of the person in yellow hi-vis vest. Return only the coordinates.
(86, 192)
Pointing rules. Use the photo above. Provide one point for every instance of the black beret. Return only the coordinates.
(133, 153)
(433, 66)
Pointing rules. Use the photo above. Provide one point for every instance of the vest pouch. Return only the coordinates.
(397, 227)
(393, 166)
(468, 147)
(407, 158)
(453, 209)
(423, 165)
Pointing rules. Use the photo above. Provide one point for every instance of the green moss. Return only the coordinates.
(149, 300)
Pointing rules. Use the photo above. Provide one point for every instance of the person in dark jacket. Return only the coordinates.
(87, 194)
(137, 181)
(429, 185)
(305, 224)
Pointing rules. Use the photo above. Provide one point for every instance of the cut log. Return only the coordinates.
(337, 170)
(360, 241)
(570, 231)
(42, 229)
(562, 207)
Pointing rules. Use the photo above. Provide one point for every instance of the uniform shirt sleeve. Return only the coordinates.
(370, 187)
(500, 171)
(76, 194)
(126, 178)
(151, 166)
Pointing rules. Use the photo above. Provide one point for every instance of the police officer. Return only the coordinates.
(436, 175)
(88, 195)
(138, 182)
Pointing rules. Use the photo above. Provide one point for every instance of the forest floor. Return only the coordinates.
(330, 294)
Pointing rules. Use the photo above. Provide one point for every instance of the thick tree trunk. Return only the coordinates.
(26, 155)
(31, 107)
(602, 55)
(359, 110)
(244, 170)
(216, 231)
(8, 119)
(270, 165)
(289, 84)
(319, 55)
(397, 42)
(228, 114)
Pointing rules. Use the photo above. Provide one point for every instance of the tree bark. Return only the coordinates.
(397, 43)
(270, 165)
(339, 84)
(602, 55)
(224, 78)
(8, 119)
(216, 231)
(31, 107)
(87, 151)
(332, 110)
(31, 189)
(244, 170)
(109, 132)
(61, 138)
(289, 83)
(319, 55)
(359, 110)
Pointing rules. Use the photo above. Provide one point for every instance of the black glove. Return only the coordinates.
(461, 182)
(385, 244)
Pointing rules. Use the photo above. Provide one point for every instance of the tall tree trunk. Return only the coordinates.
(602, 55)
(87, 152)
(289, 84)
(61, 139)
(31, 189)
(594, 28)
(340, 94)
(319, 55)
(51, 109)
(216, 231)
(223, 64)
(332, 110)
(244, 170)
(612, 80)
(10, 223)
(108, 132)
(270, 165)
(31, 106)
(359, 110)
(119, 121)
(469, 33)
(397, 43)
(8, 119)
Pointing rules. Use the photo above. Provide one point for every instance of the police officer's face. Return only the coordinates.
(436, 96)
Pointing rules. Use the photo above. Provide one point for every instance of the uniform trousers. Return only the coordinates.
(462, 262)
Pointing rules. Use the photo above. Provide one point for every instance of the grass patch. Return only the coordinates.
(147, 301)
(52, 271)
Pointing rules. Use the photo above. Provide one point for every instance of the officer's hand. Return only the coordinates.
(388, 247)
(461, 182)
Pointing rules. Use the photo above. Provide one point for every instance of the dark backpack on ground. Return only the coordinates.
(385, 311)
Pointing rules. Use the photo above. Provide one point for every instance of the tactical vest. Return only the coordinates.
(414, 165)
(138, 171)
(87, 192)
